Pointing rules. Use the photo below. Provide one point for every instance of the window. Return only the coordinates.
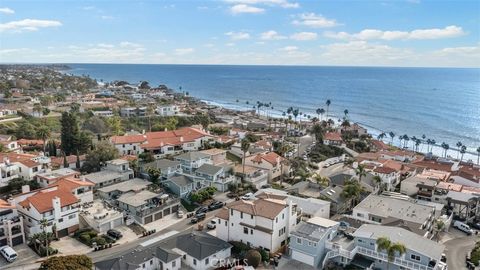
(194, 262)
(276, 220)
(241, 214)
(174, 263)
(251, 216)
(218, 221)
(359, 215)
(415, 257)
(226, 223)
(314, 244)
(283, 216)
(143, 265)
(251, 231)
(71, 216)
(245, 230)
(151, 262)
(184, 257)
(60, 220)
(231, 212)
(360, 240)
(206, 261)
(299, 241)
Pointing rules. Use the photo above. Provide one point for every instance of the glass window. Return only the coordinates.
(245, 230)
(299, 241)
(206, 261)
(194, 262)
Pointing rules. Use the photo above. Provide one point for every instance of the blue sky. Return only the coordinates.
(279, 32)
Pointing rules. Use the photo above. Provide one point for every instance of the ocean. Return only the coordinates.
(442, 103)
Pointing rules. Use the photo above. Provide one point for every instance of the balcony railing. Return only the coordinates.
(155, 209)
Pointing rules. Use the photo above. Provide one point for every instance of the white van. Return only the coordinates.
(462, 227)
(8, 253)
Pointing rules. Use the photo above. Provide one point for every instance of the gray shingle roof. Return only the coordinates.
(180, 180)
(193, 155)
(309, 231)
(411, 240)
(162, 164)
(209, 169)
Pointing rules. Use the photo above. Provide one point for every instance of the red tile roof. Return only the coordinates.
(271, 157)
(332, 136)
(128, 139)
(380, 145)
(6, 205)
(70, 159)
(42, 201)
(384, 170)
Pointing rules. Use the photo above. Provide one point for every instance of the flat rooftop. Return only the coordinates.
(102, 176)
(137, 199)
(125, 186)
(385, 206)
(57, 173)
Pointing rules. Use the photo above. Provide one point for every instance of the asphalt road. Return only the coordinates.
(457, 249)
(304, 142)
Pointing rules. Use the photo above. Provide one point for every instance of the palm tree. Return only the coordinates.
(320, 111)
(360, 172)
(378, 182)
(43, 133)
(328, 106)
(438, 227)
(352, 190)
(323, 181)
(417, 143)
(459, 145)
(245, 145)
(445, 147)
(432, 142)
(392, 135)
(463, 150)
(414, 140)
(345, 112)
(423, 138)
(478, 155)
(405, 140)
(392, 249)
(381, 136)
(43, 226)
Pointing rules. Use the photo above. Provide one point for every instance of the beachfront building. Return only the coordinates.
(363, 250)
(264, 223)
(117, 170)
(11, 225)
(308, 239)
(192, 250)
(333, 138)
(390, 177)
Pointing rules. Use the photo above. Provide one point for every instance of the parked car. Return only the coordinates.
(114, 234)
(247, 196)
(202, 209)
(211, 225)
(198, 217)
(215, 205)
(232, 195)
(8, 253)
(180, 214)
(474, 225)
(266, 186)
(463, 227)
(444, 258)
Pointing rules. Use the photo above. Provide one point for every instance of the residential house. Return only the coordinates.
(253, 175)
(145, 206)
(58, 204)
(191, 161)
(263, 223)
(182, 185)
(270, 161)
(215, 176)
(363, 250)
(398, 210)
(114, 191)
(28, 165)
(192, 250)
(218, 156)
(129, 144)
(11, 225)
(117, 170)
(106, 113)
(133, 111)
(390, 177)
(167, 110)
(338, 204)
(50, 177)
(308, 239)
(168, 168)
(8, 171)
(332, 138)
(9, 144)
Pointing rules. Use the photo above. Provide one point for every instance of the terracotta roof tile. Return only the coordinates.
(267, 208)
(42, 201)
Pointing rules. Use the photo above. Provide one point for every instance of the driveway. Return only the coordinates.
(25, 260)
(457, 248)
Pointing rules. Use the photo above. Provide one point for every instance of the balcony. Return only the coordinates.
(153, 209)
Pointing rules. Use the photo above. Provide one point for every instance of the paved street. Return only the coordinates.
(456, 249)
(304, 142)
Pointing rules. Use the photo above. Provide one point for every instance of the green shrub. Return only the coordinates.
(80, 262)
(253, 258)
(85, 238)
(264, 254)
(238, 247)
(99, 240)
(92, 234)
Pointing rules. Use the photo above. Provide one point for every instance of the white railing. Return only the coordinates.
(404, 263)
(336, 250)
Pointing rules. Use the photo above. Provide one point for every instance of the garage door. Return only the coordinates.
(105, 227)
(17, 240)
(62, 233)
(158, 215)
(301, 257)
(147, 219)
(117, 222)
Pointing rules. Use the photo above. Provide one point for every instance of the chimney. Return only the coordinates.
(25, 188)
(181, 138)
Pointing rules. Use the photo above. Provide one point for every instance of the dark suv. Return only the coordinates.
(114, 233)
(215, 205)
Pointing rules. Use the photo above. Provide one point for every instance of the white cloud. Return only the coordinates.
(419, 34)
(238, 35)
(130, 44)
(271, 35)
(7, 10)
(106, 17)
(288, 48)
(103, 45)
(230, 44)
(89, 8)
(184, 51)
(314, 20)
(280, 3)
(242, 8)
(28, 25)
(303, 36)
